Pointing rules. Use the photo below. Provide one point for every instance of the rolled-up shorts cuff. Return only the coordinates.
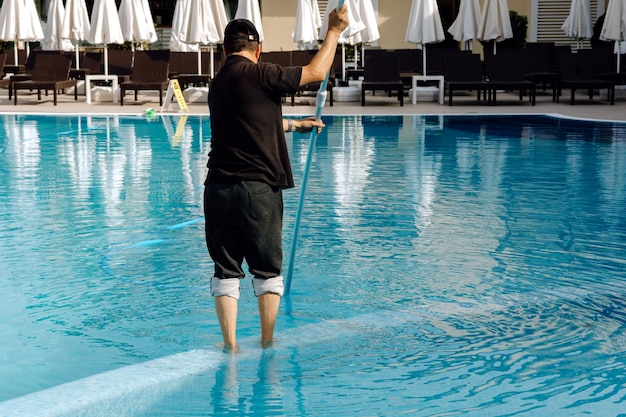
(269, 285)
(225, 286)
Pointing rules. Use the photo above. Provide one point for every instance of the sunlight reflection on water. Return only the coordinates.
(456, 264)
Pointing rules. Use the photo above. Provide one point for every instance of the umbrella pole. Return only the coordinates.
(212, 63)
(619, 56)
(494, 46)
(424, 59)
(76, 51)
(15, 53)
(106, 61)
(343, 62)
(199, 60)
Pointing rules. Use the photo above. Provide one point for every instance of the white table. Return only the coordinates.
(416, 78)
(101, 77)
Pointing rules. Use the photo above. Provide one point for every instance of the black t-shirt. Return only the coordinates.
(248, 142)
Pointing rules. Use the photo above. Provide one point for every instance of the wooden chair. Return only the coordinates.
(4, 80)
(436, 58)
(28, 67)
(288, 58)
(121, 63)
(409, 63)
(10, 65)
(302, 58)
(381, 72)
(182, 63)
(150, 71)
(505, 71)
(91, 63)
(218, 61)
(541, 66)
(464, 72)
(282, 58)
(605, 64)
(50, 72)
(184, 67)
(314, 87)
(578, 72)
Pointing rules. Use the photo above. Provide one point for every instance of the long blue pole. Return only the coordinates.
(320, 100)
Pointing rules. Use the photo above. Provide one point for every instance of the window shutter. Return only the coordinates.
(551, 15)
(323, 5)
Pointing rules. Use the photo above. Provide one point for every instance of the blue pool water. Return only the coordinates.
(457, 265)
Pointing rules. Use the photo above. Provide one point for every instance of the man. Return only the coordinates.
(249, 166)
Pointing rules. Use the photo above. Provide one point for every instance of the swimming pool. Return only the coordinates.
(446, 265)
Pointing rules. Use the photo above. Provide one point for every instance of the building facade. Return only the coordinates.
(545, 18)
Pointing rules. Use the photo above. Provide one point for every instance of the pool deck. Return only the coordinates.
(508, 103)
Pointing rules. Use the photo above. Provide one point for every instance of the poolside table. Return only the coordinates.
(101, 77)
(419, 77)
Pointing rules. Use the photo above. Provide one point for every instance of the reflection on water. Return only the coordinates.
(445, 265)
(351, 169)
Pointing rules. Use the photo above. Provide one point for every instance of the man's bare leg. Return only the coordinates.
(268, 310)
(226, 308)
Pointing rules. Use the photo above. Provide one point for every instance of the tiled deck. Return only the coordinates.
(380, 104)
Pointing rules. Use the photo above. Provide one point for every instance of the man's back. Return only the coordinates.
(248, 142)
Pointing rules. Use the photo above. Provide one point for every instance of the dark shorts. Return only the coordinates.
(244, 221)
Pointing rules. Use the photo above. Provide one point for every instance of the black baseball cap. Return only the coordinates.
(241, 29)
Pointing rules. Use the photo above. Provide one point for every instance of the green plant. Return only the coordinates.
(519, 24)
(123, 46)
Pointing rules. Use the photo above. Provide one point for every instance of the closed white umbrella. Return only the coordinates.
(52, 34)
(9, 20)
(33, 23)
(495, 22)
(614, 27)
(219, 14)
(355, 26)
(367, 16)
(178, 29)
(221, 21)
(19, 22)
(578, 24)
(76, 24)
(465, 26)
(31, 29)
(370, 33)
(105, 27)
(197, 25)
(424, 26)
(136, 22)
(249, 9)
(308, 22)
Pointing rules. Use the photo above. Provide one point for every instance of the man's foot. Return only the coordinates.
(267, 343)
(233, 350)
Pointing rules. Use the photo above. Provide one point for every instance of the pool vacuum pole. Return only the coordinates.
(320, 100)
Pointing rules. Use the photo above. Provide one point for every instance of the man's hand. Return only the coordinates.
(338, 19)
(306, 125)
(303, 125)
